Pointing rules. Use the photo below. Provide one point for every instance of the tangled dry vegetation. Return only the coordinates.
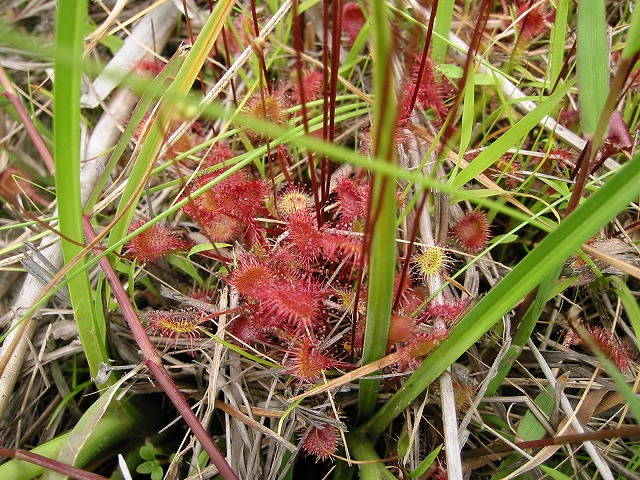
(257, 258)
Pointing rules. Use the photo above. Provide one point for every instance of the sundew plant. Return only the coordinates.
(320, 239)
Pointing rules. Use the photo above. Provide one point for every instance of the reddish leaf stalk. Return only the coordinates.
(154, 363)
(50, 464)
(35, 136)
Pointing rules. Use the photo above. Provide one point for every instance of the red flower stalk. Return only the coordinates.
(352, 21)
(306, 360)
(154, 242)
(321, 442)
(472, 231)
(174, 325)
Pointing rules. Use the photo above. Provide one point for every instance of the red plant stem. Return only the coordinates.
(474, 47)
(425, 55)
(624, 431)
(50, 464)
(412, 239)
(324, 162)
(154, 362)
(35, 136)
(298, 46)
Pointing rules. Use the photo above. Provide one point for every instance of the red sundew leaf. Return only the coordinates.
(321, 442)
(616, 350)
(341, 247)
(430, 261)
(449, 309)
(226, 207)
(154, 242)
(266, 106)
(247, 330)
(305, 235)
(245, 33)
(400, 329)
(312, 80)
(251, 277)
(419, 345)
(218, 154)
(14, 182)
(298, 304)
(292, 200)
(242, 200)
(536, 21)
(352, 197)
(149, 67)
(619, 135)
(472, 231)
(306, 360)
(177, 324)
(352, 21)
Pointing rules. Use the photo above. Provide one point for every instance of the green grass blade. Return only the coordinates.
(371, 467)
(592, 65)
(383, 252)
(596, 211)
(66, 131)
(440, 42)
(522, 128)
(630, 303)
(632, 45)
(558, 37)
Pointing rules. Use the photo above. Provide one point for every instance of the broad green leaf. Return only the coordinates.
(70, 27)
(592, 64)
